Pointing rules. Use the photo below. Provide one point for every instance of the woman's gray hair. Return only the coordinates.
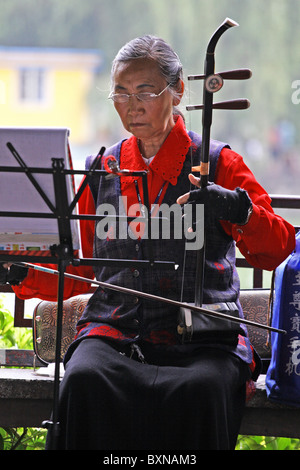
(152, 47)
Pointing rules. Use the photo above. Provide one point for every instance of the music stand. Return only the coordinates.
(62, 254)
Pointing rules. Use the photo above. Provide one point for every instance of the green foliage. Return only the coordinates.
(22, 438)
(11, 337)
(21, 338)
(267, 443)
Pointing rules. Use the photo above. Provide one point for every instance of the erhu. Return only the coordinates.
(213, 82)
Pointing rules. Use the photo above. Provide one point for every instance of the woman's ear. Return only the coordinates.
(179, 92)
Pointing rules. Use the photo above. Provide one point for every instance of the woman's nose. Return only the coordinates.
(135, 105)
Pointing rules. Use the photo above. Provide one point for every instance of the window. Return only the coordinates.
(32, 85)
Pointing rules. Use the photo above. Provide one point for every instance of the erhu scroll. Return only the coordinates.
(213, 82)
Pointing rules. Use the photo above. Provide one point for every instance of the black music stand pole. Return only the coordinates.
(53, 425)
(64, 253)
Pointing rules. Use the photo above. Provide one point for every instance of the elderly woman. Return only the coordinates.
(130, 381)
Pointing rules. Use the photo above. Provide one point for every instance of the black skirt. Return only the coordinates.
(111, 401)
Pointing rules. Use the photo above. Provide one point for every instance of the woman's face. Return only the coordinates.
(151, 120)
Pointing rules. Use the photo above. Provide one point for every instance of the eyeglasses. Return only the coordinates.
(124, 97)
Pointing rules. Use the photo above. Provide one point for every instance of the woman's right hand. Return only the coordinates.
(12, 274)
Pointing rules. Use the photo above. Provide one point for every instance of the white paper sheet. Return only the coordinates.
(36, 146)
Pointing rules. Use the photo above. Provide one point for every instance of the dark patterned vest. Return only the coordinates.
(138, 318)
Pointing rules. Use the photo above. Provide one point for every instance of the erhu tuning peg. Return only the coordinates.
(239, 74)
(241, 103)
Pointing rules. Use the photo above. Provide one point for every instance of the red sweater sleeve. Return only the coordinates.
(43, 285)
(267, 239)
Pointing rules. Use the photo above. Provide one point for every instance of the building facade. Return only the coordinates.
(48, 87)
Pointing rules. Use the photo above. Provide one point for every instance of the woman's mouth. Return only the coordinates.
(137, 124)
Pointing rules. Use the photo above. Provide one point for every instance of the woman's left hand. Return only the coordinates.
(219, 202)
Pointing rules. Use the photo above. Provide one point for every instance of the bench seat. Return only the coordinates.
(26, 398)
(263, 417)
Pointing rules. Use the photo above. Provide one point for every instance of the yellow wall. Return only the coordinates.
(65, 103)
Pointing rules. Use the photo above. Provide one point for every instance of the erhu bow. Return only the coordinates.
(212, 83)
(154, 298)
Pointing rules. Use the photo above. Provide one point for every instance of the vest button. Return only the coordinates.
(136, 273)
